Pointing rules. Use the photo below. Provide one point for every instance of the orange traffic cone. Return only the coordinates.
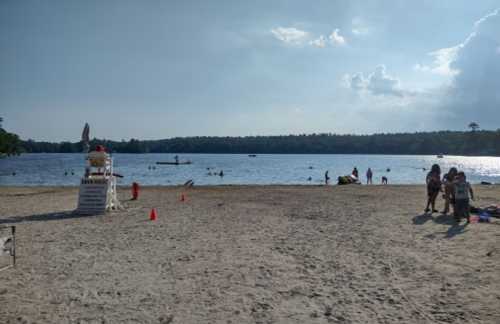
(152, 215)
(183, 198)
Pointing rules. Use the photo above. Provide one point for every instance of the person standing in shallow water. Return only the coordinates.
(327, 178)
(369, 176)
(433, 181)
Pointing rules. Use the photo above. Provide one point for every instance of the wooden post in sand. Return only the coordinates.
(8, 246)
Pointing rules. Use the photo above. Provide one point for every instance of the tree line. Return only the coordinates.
(474, 142)
(10, 144)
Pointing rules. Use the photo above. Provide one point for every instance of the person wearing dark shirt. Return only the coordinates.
(433, 181)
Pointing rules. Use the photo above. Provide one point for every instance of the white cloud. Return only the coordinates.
(470, 92)
(474, 92)
(319, 42)
(442, 60)
(444, 57)
(421, 67)
(378, 83)
(359, 27)
(294, 36)
(290, 35)
(356, 81)
(336, 38)
(483, 19)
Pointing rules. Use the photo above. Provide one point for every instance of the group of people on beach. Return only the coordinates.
(457, 192)
(354, 177)
(369, 176)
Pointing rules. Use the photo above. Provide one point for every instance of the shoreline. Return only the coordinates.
(302, 186)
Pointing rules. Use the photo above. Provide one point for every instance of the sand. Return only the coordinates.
(250, 254)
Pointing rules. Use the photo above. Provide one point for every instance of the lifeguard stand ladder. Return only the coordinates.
(98, 186)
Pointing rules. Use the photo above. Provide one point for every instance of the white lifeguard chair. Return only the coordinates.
(98, 185)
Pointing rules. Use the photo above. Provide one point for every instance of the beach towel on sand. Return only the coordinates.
(6, 246)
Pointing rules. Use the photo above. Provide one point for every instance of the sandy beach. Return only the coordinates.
(250, 254)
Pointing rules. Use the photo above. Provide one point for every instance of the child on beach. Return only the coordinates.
(448, 182)
(462, 190)
(433, 181)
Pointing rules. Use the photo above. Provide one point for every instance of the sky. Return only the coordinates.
(161, 69)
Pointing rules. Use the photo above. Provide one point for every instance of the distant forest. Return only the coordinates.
(10, 144)
(472, 142)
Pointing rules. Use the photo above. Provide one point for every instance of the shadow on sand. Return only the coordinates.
(422, 219)
(43, 217)
(454, 229)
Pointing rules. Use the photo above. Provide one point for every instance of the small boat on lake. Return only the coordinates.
(252, 155)
(174, 163)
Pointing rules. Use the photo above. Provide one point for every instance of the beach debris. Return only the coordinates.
(153, 215)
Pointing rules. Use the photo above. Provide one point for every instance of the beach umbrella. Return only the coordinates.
(86, 137)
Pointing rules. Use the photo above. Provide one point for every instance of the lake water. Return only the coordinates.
(49, 169)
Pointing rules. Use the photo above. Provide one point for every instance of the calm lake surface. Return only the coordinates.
(49, 169)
